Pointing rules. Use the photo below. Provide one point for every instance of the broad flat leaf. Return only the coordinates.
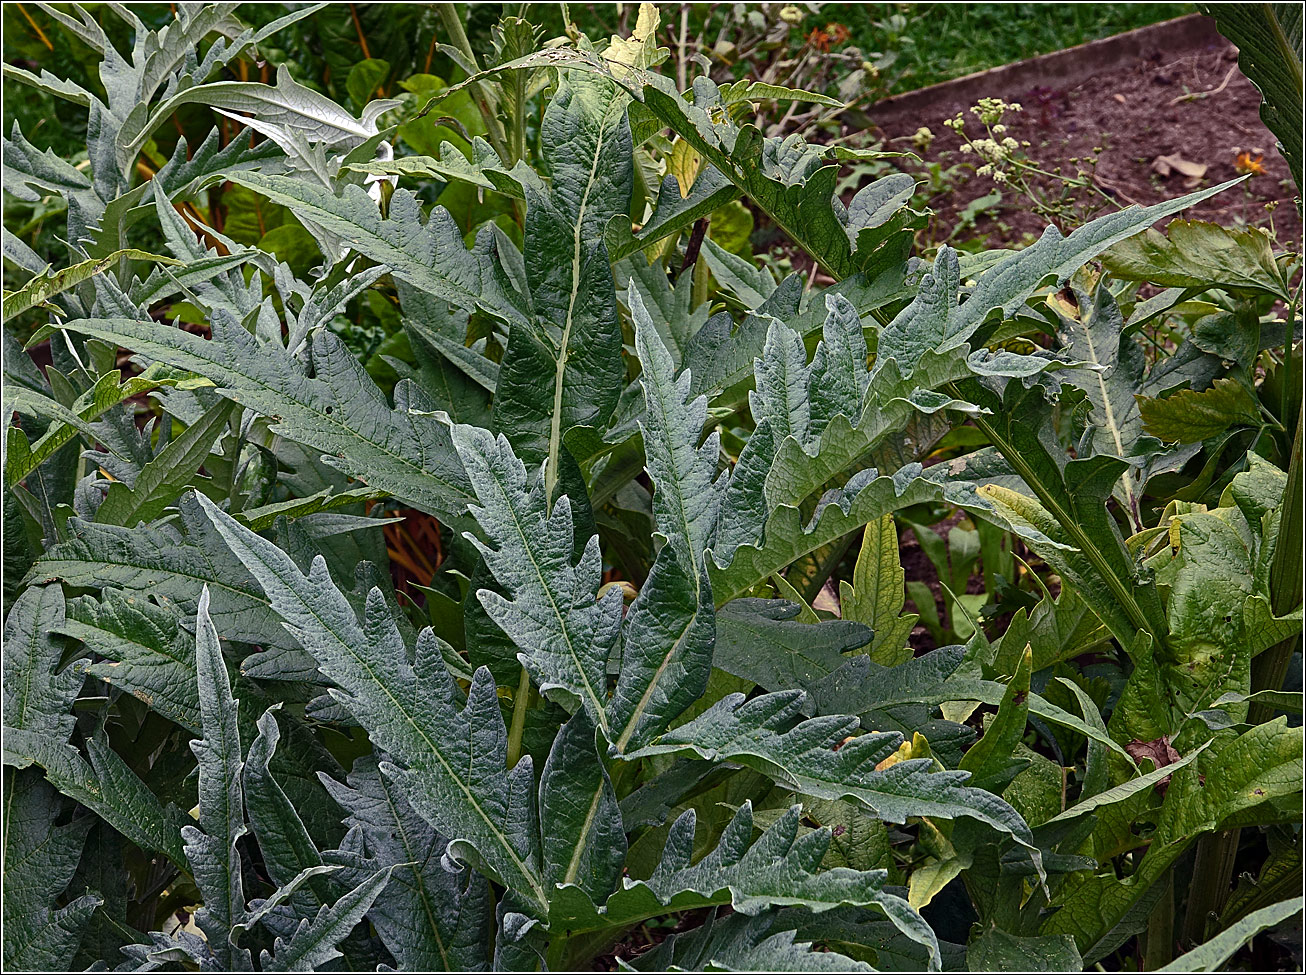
(1269, 40)
(1197, 254)
(876, 594)
(429, 918)
(1229, 779)
(456, 776)
(818, 757)
(1189, 416)
(988, 759)
(760, 640)
(548, 604)
(211, 848)
(340, 411)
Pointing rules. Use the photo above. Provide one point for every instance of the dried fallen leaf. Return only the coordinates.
(1175, 163)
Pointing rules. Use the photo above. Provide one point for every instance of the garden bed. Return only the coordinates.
(1173, 91)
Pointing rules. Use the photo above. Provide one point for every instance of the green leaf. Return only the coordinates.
(817, 757)
(314, 942)
(1229, 779)
(876, 595)
(583, 842)
(167, 475)
(780, 868)
(339, 412)
(38, 695)
(547, 605)
(430, 918)
(761, 641)
(666, 651)
(105, 785)
(687, 489)
(211, 848)
(741, 943)
(997, 951)
(283, 840)
(428, 255)
(456, 776)
(573, 336)
(160, 562)
(1198, 254)
(21, 458)
(1211, 956)
(40, 859)
(41, 288)
(1269, 41)
(989, 758)
(1189, 416)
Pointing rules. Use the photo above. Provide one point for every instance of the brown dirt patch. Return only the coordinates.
(1135, 111)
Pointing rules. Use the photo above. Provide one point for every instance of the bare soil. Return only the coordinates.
(1136, 110)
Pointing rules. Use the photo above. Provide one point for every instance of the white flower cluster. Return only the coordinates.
(995, 151)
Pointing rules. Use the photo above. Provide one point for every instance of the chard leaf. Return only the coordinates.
(1228, 780)
(1211, 956)
(455, 776)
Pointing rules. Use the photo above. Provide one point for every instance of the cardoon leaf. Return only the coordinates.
(315, 942)
(573, 337)
(455, 757)
(339, 412)
(687, 489)
(818, 757)
(211, 848)
(781, 868)
(429, 918)
(38, 696)
(548, 603)
(162, 563)
(40, 859)
(583, 842)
